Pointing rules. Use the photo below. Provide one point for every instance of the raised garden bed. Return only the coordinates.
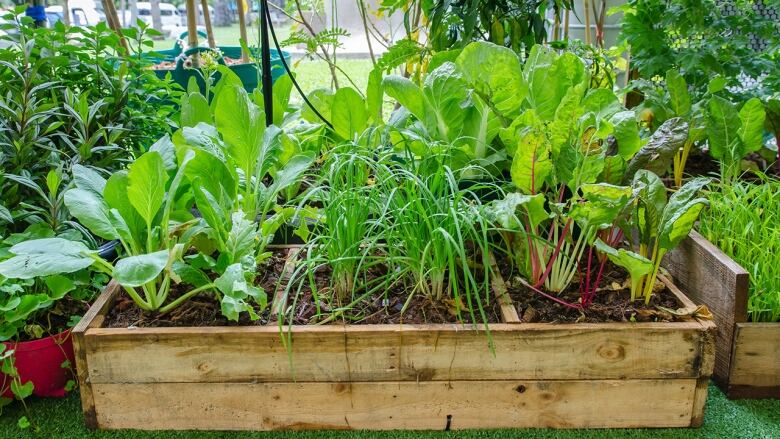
(747, 361)
(386, 377)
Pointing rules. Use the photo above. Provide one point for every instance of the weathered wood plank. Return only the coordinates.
(398, 353)
(756, 358)
(92, 318)
(708, 276)
(508, 310)
(699, 401)
(398, 405)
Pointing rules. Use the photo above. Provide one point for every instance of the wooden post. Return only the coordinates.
(207, 21)
(586, 5)
(242, 28)
(192, 31)
(566, 25)
(113, 22)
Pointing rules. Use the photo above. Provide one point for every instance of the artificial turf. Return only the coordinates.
(61, 418)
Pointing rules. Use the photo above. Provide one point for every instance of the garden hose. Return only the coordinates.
(287, 68)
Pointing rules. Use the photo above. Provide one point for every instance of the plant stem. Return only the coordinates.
(184, 297)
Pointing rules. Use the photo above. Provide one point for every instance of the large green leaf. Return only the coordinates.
(445, 94)
(115, 196)
(348, 114)
(214, 174)
(241, 124)
(531, 164)
(678, 224)
(146, 185)
(194, 110)
(495, 74)
(91, 211)
(679, 98)
(549, 78)
(45, 257)
(88, 179)
(291, 173)
(322, 100)
(626, 132)
(480, 128)
(167, 150)
(751, 130)
(656, 156)
(406, 93)
(135, 271)
(374, 96)
(635, 264)
(504, 212)
(602, 102)
(723, 124)
(601, 204)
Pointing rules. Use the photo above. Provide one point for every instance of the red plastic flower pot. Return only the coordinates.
(40, 361)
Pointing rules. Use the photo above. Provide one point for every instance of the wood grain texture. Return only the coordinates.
(709, 277)
(399, 353)
(508, 310)
(756, 358)
(93, 318)
(398, 405)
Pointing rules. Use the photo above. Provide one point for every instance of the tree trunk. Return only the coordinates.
(156, 18)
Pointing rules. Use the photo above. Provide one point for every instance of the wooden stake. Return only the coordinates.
(207, 21)
(587, 21)
(566, 25)
(192, 31)
(242, 29)
(113, 22)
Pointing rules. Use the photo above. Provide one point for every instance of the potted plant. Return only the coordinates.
(739, 231)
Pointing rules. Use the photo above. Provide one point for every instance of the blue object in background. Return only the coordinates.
(37, 13)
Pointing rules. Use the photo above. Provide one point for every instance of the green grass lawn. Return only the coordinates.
(724, 419)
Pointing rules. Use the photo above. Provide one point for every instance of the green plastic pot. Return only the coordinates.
(247, 72)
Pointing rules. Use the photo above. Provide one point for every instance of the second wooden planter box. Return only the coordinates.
(748, 354)
(387, 377)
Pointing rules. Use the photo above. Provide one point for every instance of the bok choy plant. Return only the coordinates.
(147, 209)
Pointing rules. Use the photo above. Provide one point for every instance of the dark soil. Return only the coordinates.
(612, 302)
(200, 310)
(171, 65)
(385, 307)
(56, 319)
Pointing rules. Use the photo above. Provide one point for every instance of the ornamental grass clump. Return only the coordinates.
(744, 222)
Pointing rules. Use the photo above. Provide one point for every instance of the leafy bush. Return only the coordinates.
(67, 98)
(702, 40)
(744, 222)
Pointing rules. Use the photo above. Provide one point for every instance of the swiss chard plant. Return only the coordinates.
(734, 132)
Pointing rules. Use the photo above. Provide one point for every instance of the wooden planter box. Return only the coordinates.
(747, 362)
(387, 377)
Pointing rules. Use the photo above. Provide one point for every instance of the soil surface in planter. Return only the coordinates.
(171, 65)
(200, 310)
(385, 307)
(611, 304)
(57, 318)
